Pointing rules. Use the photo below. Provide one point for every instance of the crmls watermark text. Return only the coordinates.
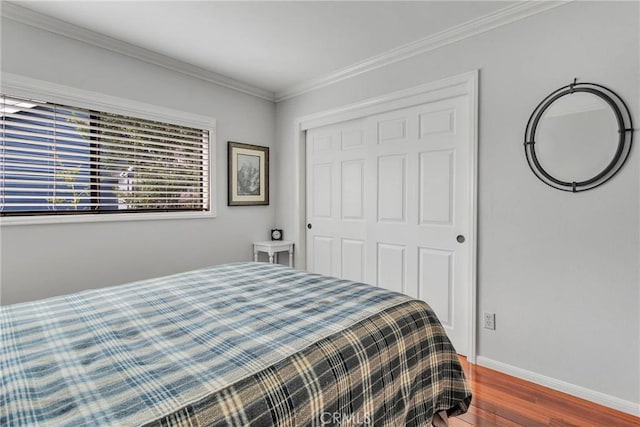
(340, 419)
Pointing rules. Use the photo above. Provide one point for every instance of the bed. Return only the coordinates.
(232, 345)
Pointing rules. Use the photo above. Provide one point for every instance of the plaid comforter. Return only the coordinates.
(239, 344)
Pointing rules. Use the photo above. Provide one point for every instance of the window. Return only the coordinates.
(62, 160)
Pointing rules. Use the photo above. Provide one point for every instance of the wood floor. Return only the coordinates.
(502, 400)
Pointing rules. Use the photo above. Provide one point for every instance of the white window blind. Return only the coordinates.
(59, 159)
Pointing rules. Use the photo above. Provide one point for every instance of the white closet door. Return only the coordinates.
(336, 165)
(388, 199)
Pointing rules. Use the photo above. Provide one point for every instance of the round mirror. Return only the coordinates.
(578, 137)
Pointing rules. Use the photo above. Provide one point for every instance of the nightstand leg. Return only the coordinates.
(270, 258)
(255, 256)
(290, 258)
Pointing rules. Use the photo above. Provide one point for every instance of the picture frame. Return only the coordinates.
(248, 174)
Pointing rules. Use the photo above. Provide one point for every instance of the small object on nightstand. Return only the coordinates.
(276, 234)
(272, 247)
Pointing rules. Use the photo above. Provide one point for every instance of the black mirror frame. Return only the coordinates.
(625, 140)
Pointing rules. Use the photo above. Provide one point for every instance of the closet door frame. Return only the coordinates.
(460, 85)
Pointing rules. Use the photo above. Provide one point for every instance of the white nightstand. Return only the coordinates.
(272, 247)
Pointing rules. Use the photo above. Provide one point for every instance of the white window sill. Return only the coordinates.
(74, 219)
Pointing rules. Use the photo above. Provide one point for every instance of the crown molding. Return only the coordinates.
(507, 15)
(499, 18)
(26, 16)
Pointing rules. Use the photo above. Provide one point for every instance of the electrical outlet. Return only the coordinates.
(489, 320)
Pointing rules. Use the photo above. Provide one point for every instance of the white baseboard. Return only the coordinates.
(565, 387)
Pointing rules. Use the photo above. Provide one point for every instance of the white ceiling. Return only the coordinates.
(273, 46)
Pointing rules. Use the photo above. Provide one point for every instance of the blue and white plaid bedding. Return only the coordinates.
(238, 344)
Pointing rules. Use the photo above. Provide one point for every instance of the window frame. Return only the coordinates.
(37, 89)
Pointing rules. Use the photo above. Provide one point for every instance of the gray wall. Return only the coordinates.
(45, 260)
(561, 271)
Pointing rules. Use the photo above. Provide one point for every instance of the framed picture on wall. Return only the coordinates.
(248, 167)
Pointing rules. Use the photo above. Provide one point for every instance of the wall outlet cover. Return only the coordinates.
(489, 320)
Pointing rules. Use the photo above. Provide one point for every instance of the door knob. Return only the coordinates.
(460, 238)
(309, 226)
